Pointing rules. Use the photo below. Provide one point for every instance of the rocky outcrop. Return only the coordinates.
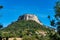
(29, 17)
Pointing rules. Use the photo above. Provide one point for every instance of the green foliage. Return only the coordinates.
(52, 22)
(1, 26)
(18, 26)
(14, 39)
(57, 16)
(29, 38)
(26, 30)
(1, 7)
(56, 21)
(57, 9)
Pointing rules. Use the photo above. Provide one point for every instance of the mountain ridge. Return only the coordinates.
(22, 28)
(29, 17)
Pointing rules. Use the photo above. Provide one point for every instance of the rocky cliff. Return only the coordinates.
(29, 17)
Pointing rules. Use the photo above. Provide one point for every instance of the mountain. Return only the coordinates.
(26, 25)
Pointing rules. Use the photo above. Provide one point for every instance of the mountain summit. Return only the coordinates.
(29, 17)
(27, 26)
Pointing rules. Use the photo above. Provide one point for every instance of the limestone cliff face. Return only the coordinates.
(30, 17)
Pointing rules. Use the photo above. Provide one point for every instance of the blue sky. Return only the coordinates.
(14, 8)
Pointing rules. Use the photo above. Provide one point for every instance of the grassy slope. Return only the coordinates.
(23, 27)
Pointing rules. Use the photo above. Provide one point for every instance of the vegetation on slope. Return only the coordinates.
(22, 26)
(28, 30)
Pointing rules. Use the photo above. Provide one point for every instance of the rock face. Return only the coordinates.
(29, 17)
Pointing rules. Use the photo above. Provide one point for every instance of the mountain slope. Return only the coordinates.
(23, 24)
(23, 27)
(27, 29)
